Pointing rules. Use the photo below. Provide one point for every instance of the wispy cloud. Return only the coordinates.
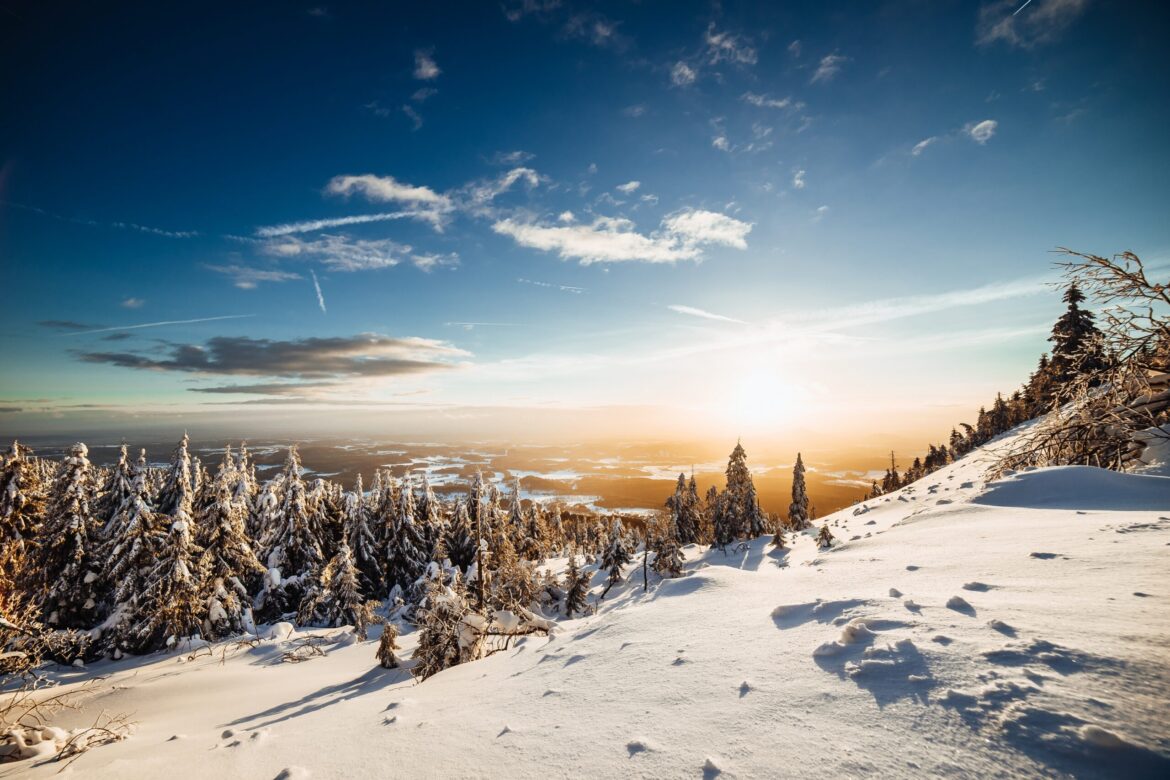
(682, 75)
(981, 132)
(340, 253)
(313, 225)
(765, 101)
(1026, 24)
(317, 288)
(133, 303)
(416, 120)
(95, 223)
(426, 204)
(429, 262)
(830, 65)
(702, 313)
(634, 111)
(727, 47)
(248, 278)
(798, 180)
(681, 236)
(629, 187)
(425, 67)
(921, 146)
(160, 324)
(562, 287)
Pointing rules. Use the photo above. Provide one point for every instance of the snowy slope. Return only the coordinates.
(1016, 629)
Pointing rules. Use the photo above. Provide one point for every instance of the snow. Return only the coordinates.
(759, 662)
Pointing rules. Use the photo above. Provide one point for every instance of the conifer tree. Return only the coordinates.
(388, 643)
(294, 545)
(134, 548)
(116, 490)
(70, 541)
(668, 558)
(684, 510)
(405, 559)
(21, 497)
(741, 507)
(616, 555)
(459, 540)
(177, 491)
(534, 546)
(244, 490)
(228, 561)
(825, 537)
(1075, 341)
(340, 601)
(444, 638)
(798, 509)
(576, 588)
(362, 544)
(429, 514)
(172, 606)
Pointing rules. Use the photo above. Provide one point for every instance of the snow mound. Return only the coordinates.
(1079, 487)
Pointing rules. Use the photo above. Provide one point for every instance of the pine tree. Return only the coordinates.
(295, 550)
(825, 538)
(228, 561)
(177, 491)
(741, 507)
(459, 540)
(340, 602)
(616, 555)
(357, 534)
(798, 509)
(405, 559)
(430, 517)
(1075, 341)
(70, 540)
(668, 558)
(684, 510)
(172, 605)
(386, 656)
(133, 552)
(116, 490)
(576, 588)
(21, 497)
(444, 638)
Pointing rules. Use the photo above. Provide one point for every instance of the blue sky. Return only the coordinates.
(637, 218)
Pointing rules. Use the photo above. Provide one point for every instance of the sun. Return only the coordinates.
(762, 399)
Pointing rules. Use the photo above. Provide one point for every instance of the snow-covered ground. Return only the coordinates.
(1020, 628)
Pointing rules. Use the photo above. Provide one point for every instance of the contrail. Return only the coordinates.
(1022, 7)
(317, 287)
(159, 324)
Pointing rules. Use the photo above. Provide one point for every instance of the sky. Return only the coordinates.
(543, 218)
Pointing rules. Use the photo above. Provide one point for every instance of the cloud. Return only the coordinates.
(820, 213)
(829, 67)
(629, 187)
(430, 262)
(248, 278)
(425, 68)
(721, 143)
(160, 324)
(340, 253)
(514, 157)
(794, 49)
(682, 75)
(726, 47)
(764, 101)
(634, 111)
(595, 29)
(132, 303)
(920, 147)
(422, 93)
(798, 180)
(476, 197)
(265, 388)
(317, 288)
(981, 132)
(693, 312)
(427, 204)
(364, 355)
(1026, 25)
(613, 239)
(313, 225)
(416, 120)
(155, 231)
(566, 216)
(67, 325)
(516, 10)
(562, 287)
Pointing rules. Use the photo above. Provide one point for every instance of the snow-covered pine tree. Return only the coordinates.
(138, 534)
(177, 490)
(444, 638)
(405, 558)
(684, 510)
(1075, 341)
(668, 558)
(295, 554)
(116, 490)
(576, 587)
(228, 562)
(517, 523)
(387, 644)
(741, 507)
(340, 601)
(429, 514)
(459, 539)
(21, 497)
(264, 519)
(723, 525)
(798, 509)
(825, 537)
(362, 544)
(617, 555)
(69, 542)
(513, 585)
(245, 489)
(534, 546)
(172, 606)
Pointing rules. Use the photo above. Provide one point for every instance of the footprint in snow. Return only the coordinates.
(1044, 556)
(292, 773)
(1001, 627)
(979, 586)
(637, 746)
(913, 568)
(711, 770)
(895, 593)
(960, 604)
(744, 688)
